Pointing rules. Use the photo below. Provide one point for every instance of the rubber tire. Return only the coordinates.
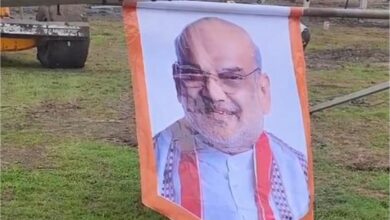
(62, 53)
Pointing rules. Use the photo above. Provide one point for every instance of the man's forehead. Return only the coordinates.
(212, 23)
(215, 38)
(214, 29)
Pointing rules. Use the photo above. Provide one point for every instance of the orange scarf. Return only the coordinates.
(191, 196)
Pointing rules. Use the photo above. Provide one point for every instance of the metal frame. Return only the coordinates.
(346, 13)
(17, 28)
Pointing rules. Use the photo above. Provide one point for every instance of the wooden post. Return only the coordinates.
(363, 4)
(306, 3)
(346, 98)
(21, 12)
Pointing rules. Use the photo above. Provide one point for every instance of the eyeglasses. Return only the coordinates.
(195, 78)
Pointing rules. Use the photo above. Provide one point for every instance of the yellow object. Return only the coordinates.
(4, 12)
(16, 44)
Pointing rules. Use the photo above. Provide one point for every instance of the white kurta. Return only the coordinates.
(228, 181)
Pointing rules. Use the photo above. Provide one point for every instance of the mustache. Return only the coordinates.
(222, 108)
(208, 106)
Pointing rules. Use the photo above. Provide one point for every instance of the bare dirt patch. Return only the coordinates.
(350, 143)
(28, 158)
(373, 194)
(337, 58)
(7, 194)
(68, 119)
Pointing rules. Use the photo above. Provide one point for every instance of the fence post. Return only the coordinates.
(363, 4)
(306, 3)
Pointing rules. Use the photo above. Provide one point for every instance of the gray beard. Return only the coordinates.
(243, 140)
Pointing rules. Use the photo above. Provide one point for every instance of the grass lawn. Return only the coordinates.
(68, 136)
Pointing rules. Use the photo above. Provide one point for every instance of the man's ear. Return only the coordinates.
(177, 83)
(179, 97)
(265, 89)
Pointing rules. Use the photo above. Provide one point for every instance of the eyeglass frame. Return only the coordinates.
(176, 68)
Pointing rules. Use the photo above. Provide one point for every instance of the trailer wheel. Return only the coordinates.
(62, 53)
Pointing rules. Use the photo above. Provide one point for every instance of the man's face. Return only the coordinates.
(220, 86)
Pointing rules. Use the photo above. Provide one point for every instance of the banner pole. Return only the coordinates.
(307, 12)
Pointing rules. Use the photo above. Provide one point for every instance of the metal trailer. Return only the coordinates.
(60, 33)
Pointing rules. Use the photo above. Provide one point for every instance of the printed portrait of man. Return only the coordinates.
(218, 161)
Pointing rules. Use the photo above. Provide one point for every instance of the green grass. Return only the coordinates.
(326, 84)
(90, 180)
(24, 139)
(351, 140)
(343, 193)
(339, 37)
(49, 172)
(57, 162)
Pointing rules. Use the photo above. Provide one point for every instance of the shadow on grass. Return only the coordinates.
(7, 61)
(27, 63)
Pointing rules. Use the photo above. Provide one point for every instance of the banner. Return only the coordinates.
(221, 110)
